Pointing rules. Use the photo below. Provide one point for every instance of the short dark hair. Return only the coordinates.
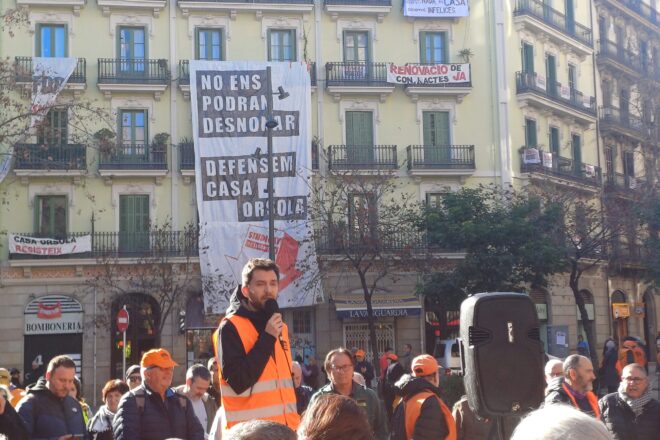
(60, 361)
(258, 264)
(260, 430)
(333, 416)
(571, 363)
(198, 371)
(114, 385)
(336, 351)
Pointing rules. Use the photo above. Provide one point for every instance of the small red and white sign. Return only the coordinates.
(49, 311)
(122, 320)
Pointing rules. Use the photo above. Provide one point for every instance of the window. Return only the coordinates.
(551, 73)
(302, 321)
(50, 216)
(51, 40)
(281, 45)
(576, 148)
(359, 137)
(133, 223)
(132, 49)
(436, 137)
(53, 130)
(434, 199)
(433, 48)
(133, 127)
(554, 140)
(357, 335)
(609, 164)
(356, 46)
(643, 55)
(209, 44)
(527, 58)
(362, 214)
(530, 133)
(628, 164)
(572, 77)
(570, 16)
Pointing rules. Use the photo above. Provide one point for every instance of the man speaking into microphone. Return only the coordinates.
(254, 353)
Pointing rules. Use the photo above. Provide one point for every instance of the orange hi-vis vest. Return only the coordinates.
(413, 407)
(591, 397)
(273, 396)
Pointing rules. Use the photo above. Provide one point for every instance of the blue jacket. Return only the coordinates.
(46, 416)
(157, 419)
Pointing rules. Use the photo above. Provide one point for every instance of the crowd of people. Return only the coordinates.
(253, 390)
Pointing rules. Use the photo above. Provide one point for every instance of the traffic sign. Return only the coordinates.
(122, 320)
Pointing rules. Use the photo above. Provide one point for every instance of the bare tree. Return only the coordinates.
(367, 224)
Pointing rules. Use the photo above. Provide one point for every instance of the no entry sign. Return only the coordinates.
(122, 320)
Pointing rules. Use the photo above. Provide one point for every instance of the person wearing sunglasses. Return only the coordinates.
(133, 378)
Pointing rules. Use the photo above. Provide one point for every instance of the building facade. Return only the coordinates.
(537, 80)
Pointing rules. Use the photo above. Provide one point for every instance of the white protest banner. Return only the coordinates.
(229, 114)
(428, 74)
(531, 155)
(49, 76)
(547, 159)
(436, 8)
(21, 244)
(540, 81)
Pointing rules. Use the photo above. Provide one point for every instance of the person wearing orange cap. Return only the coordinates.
(392, 375)
(153, 410)
(364, 367)
(421, 413)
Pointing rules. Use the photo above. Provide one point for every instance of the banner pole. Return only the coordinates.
(270, 124)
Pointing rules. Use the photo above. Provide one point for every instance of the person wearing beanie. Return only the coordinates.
(421, 413)
(133, 377)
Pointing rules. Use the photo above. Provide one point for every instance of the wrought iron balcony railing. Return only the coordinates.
(365, 240)
(133, 71)
(527, 82)
(641, 8)
(356, 74)
(359, 2)
(439, 157)
(24, 71)
(184, 72)
(563, 167)
(148, 244)
(186, 156)
(133, 157)
(624, 182)
(554, 19)
(362, 157)
(67, 157)
(622, 119)
(616, 52)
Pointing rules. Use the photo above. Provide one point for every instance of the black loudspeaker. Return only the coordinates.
(501, 354)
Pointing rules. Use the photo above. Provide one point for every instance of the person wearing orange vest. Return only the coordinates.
(575, 386)
(630, 353)
(253, 351)
(422, 414)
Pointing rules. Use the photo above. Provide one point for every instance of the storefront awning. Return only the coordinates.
(384, 304)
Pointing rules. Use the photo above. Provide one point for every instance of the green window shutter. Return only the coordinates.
(577, 151)
(422, 47)
(528, 58)
(554, 140)
(359, 128)
(51, 216)
(436, 128)
(133, 222)
(530, 133)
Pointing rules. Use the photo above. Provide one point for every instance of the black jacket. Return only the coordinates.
(622, 423)
(557, 394)
(46, 416)
(368, 373)
(158, 419)
(11, 425)
(241, 370)
(609, 375)
(431, 422)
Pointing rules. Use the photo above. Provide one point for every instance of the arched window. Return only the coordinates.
(142, 332)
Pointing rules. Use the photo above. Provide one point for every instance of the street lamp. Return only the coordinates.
(271, 123)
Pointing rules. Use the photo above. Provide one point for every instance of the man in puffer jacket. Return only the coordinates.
(422, 414)
(632, 413)
(47, 410)
(153, 411)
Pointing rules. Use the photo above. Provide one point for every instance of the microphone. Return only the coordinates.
(271, 307)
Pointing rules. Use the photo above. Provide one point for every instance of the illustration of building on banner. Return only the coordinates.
(230, 109)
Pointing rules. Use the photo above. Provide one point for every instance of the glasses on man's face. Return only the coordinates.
(341, 368)
(134, 378)
(632, 379)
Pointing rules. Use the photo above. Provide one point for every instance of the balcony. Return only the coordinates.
(75, 5)
(614, 121)
(348, 78)
(375, 8)
(627, 256)
(624, 184)
(155, 6)
(563, 170)
(635, 9)
(539, 18)
(368, 158)
(455, 90)
(187, 160)
(151, 244)
(77, 81)
(258, 7)
(50, 160)
(133, 161)
(440, 160)
(562, 101)
(613, 55)
(133, 76)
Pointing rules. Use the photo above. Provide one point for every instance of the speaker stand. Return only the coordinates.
(497, 429)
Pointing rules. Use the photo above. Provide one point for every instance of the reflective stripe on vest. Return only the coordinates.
(591, 398)
(413, 407)
(273, 396)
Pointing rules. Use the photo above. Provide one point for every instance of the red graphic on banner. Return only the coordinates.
(49, 311)
(286, 257)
